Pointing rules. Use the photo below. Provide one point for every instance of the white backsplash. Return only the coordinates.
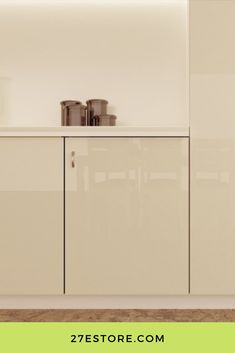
(133, 56)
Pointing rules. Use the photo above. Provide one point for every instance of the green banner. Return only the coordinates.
(117, 337)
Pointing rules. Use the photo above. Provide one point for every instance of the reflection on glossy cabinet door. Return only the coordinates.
(31, 216)
(126, 216)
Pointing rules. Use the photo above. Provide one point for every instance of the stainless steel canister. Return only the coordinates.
(106, 120)
(95, 107)
(73, 113)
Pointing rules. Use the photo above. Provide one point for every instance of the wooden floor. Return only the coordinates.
(117, 315)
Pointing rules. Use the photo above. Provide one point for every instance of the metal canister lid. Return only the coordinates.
(96, 101)
(69, 102)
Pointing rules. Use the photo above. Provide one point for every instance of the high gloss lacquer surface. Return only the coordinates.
(31, 216)
(127, 216)
(213, 147)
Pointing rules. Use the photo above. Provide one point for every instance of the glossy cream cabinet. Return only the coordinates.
(31, 216)
(212, 100)
(126, 216)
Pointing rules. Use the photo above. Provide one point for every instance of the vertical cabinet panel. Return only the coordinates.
(213, 147)
(127, 216)
(31, 216)
(213, 217)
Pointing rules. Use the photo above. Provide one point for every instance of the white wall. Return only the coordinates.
(134, 55)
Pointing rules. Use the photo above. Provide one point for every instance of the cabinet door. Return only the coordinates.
(126, 216)
(31, 216)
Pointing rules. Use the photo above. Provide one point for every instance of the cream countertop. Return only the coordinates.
(90, 131)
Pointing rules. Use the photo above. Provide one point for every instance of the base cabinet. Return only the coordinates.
(124, 228)
(31, 216)
(126, 216)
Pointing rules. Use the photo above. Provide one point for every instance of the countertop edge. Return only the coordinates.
(94, 131)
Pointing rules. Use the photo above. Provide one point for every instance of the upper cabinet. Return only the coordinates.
(31, 216)
(212, 147)
(126, 216)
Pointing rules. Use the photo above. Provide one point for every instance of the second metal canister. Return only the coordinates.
(73, 113)
(95, 107)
